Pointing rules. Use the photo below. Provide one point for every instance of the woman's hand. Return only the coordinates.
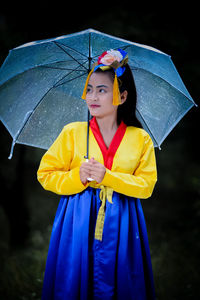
(97, 170)
(84, 172)
(92, 169)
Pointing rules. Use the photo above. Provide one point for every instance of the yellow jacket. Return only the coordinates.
(133, 171)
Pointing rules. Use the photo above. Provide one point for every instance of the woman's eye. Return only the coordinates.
(102, 91)
(88, 90)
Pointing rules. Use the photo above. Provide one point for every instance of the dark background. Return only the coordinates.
(172, 213)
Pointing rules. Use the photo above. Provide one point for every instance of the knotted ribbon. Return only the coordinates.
(105, 194)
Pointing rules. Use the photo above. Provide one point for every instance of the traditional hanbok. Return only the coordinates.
(99, 245)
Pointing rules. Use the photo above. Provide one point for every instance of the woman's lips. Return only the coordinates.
(94, 105)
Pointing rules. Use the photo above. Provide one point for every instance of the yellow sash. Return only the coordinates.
(105, 193)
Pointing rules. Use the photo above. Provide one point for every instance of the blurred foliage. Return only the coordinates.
(173, 212)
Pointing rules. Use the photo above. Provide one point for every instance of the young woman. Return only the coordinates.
(99, 246)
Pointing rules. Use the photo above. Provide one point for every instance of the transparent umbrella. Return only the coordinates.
(41, 84)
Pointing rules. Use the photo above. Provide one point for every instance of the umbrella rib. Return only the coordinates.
(70, 48)
(59, 84)
(176, 122)
(51, 66)
(38, 66)
(61, 47)
(189, 98)
(64, 69)
(29, 114)
(157, 144)
(73, 70)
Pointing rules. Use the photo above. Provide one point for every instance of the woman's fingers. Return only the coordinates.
(84, 172)
(97, 170)
(92, 169)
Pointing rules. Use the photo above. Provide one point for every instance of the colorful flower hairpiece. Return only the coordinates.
(115, 59)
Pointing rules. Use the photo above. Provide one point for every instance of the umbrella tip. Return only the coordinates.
(10, 156)
(11, 150)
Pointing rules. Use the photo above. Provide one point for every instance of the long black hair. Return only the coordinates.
(126, 111)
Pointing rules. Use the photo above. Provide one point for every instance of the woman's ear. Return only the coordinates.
(124, 96)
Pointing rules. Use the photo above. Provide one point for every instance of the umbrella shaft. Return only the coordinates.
(88, 127)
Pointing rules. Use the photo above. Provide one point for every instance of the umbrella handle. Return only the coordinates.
(89, 178)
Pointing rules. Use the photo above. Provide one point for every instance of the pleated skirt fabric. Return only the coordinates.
(80, 267)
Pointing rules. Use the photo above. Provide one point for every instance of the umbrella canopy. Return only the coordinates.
(41, 84)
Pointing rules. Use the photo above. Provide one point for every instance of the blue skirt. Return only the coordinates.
(80, 267)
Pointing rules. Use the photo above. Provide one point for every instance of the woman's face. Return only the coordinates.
(99, 95)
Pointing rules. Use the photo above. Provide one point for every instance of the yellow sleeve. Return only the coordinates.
(54, 172)
(142, 182)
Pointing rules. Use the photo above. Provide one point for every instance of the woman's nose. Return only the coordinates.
(94, 96)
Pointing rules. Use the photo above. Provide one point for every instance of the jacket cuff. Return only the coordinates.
(77, 181)
(107, 178)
